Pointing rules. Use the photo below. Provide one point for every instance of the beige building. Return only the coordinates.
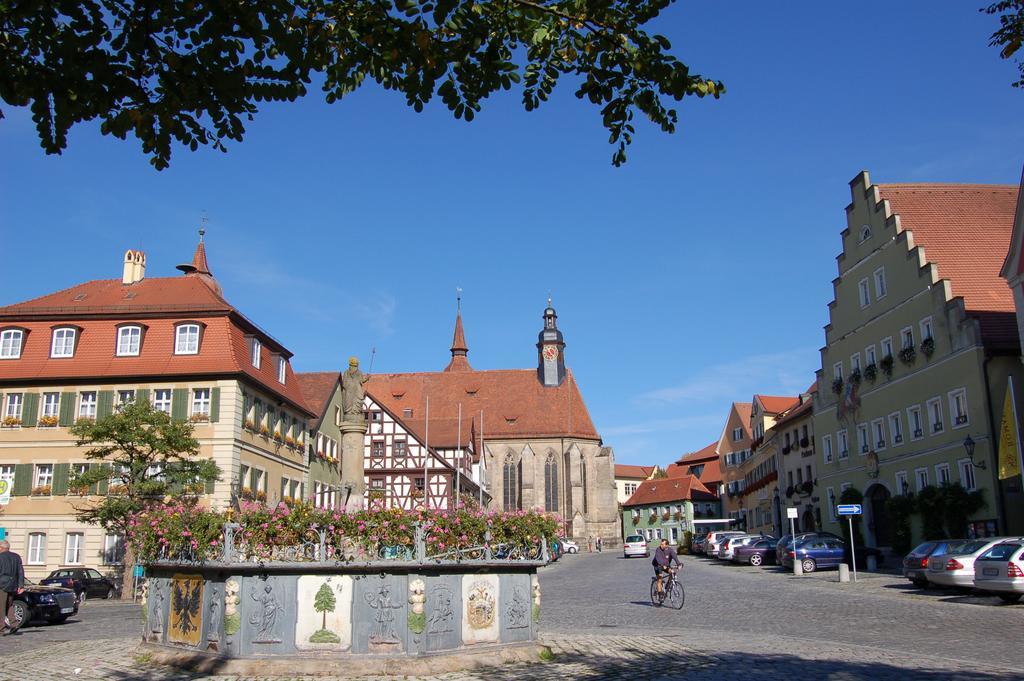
(920, 345)
(734, 449)
(629, 477)
(760, 506)
(175, 341)
(798, 478)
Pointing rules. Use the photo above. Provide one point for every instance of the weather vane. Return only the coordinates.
(458, 297)
(202, 225)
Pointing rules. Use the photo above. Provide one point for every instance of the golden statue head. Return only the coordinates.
(353, 362)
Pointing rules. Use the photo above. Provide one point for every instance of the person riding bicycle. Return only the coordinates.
(664, 557)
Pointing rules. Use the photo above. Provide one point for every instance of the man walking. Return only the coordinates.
(12, 582)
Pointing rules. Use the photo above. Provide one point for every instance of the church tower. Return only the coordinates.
(550, 351)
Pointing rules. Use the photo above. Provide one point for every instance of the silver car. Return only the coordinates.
(955, 568)
(1001, 570)
(716, 539)
(728, 549)
(635, 545)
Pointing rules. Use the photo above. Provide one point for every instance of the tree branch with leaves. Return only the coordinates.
(194, 73)
(1010, 36)
(142, 457)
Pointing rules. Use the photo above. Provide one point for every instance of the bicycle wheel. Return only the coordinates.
(655, 598)
(677, 596)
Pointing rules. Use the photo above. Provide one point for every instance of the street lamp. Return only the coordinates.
(969, 446)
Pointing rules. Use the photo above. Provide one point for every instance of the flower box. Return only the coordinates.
(855, 377)
(653, 518)
(837, 386)
(78, 490)
(199, 418)
(908, 355)
(677, 515)
(886, 365)
(195, 489)
(250, 425)
(804, 442)
(261, 495)
(264, 431)
(116, 489)
(871, 371)
(246, 493)
(277, 436)
(48, 421)
(790, 491)
(928, 346)
(786, 449)
(665, 515)
(41, 491)
(11, 422)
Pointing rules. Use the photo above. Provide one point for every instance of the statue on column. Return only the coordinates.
(352, 391)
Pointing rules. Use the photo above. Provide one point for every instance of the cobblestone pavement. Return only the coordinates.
(597, 619)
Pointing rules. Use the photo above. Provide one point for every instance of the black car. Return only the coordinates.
(52, 604)
(86, 582)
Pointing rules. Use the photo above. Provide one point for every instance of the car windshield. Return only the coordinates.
(999, 552)
(634, 538)
(965, 547)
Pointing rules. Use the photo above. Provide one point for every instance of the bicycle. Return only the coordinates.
(672, 591)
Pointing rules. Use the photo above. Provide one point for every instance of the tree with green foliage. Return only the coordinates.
(142, 456)
(957, 506)
(900, 509)
(1010, 36)
(193, 72)
(929, 502)
(324, 602)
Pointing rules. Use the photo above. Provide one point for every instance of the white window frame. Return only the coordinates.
(881, 287)
(87, 403)
(129, 341)
(863, 438)
(73, 545)
(163, 405)
(837, 370)
(855, 362)
(877, 437)
(737, 434)
(912, 411)
(50, 405)
(256, 352)
(869, 355)
(14, 404)
(113, 549)
(282, 370)
(958, 399)
(920, 478)
(125, 396)
(901, 480)
(11, 343)
(968, 478)
(926, 329)
(186, 339)
(942, 471)
(887, 347)
(935, 412)
(896, 429)
(36, 554)
(843, 440)
(906, 337)
(63, 342)
(864, 291)
(42, 475)
(826, 448)
(200, 403)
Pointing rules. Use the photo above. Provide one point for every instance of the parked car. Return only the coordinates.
(716, 539)
(52, 604)
(85, 582)
(826, 551)
(915, 563)
(786, 542)
(955, 567)
(635, 545)
(759, 552)
(570, 546)
(730, 545)
(1001, 570)
(699, 544)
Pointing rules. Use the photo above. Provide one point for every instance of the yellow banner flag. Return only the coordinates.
(1009, 446)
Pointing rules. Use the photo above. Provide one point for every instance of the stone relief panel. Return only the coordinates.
(156, 608)
(480, 600)
(214, 609)
(444, 612)
(324, 612)
(380, 611)
(267, 616)
(516, 610)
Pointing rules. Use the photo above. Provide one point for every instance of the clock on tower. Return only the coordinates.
(551, 351)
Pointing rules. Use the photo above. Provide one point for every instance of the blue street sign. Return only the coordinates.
(138, 571)
(3, 533)
(849, 509)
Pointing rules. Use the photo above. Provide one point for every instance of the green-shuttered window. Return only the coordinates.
(105, 404)
(22, 480)
(61, 472)
(179, 404)
(215, 405)
(67, 409)
(142, 395)
(30, 410)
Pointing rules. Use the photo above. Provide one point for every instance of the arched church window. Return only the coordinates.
(510, 484)
(865, 233)
(583, 479)
(551, 484)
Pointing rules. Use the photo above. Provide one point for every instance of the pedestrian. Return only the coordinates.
(599, 545)
(12, 583)
(590, 544)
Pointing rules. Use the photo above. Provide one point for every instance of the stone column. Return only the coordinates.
(352, 481)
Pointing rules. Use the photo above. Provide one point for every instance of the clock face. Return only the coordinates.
(550, 352)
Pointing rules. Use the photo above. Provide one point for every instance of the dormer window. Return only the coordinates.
(256, 348)
(129, 341)
(282, 369)
(186, 339)
(63, 342)
(11, 341)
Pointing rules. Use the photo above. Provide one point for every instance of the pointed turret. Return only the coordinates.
(199, 266)
(459, 348)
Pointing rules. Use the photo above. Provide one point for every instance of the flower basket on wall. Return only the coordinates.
(665, 515)
(250, 426)
(41, 491)
(653, 518)
(116, 489)
(928, 347)
(837, 386)
(49, 421)
(264, 431)
(11, 422)
(261, 495)
(908, 355)
(871, 371)
(886, 365)
(199, 418)
(855, 377)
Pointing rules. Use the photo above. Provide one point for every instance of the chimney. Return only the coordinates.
(134, 266)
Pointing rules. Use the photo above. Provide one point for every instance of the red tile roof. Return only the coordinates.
(705, 454)
(710, 475)
(317, 388)
(623, 470)
(667, 490)
(514, 403)
(775, 404)
(964, 229)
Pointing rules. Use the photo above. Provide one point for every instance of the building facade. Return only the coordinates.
(174, 341)
(628, 479)
(919, 351)
(798, 478)
(760, 505)
(535, 446)
(322, 391)
(666, 508)
(734, 449)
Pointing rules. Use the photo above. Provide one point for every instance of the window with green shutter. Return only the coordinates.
(142, 395)
(179, 404)
(254, 477)
(105, 404)
(214, 405)
(30, 410)
(67, 409)
(61, 473)
(22, 480)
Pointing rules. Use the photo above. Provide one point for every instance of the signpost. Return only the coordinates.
(791, 513)
(850, 510)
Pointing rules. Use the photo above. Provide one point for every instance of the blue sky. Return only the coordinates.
(694, 276)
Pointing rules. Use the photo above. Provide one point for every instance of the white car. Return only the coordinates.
(1001, 570)
(635, 545)
(955, 567)
(716, 539)
(569, 546)
(728, 547)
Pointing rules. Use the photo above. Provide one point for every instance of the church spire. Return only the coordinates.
(199, 266)
(550, 351)
(459, 348)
